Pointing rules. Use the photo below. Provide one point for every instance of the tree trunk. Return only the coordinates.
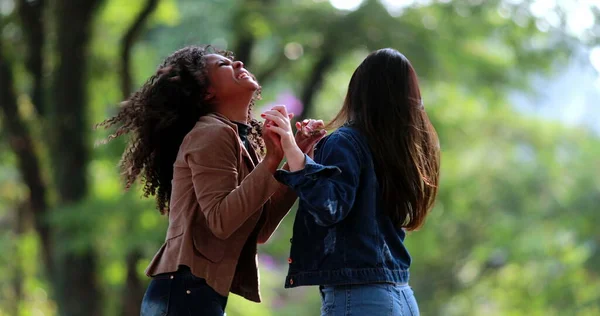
(243, 48)
(21, 143)
(31, 14)
(133, 292)
(78, 293)
(134, 289)
(18, 277)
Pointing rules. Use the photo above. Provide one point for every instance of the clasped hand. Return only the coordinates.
(280, 139)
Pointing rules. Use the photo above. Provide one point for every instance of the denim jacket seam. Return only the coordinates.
(355, 146)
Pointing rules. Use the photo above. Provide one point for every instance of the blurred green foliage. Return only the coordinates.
(514, 228)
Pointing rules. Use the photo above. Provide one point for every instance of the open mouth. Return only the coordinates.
(243, 75)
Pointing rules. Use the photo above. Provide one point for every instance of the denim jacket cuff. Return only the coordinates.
(312, 171)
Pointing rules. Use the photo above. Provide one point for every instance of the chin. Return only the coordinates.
(254, 86)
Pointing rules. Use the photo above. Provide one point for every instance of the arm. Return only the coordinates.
(276, 209)
(212, 154)
(328, 189)
(308, 133)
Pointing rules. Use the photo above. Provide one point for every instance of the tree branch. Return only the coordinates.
(339, 37)
(127, 43)
(268, 72)
(315, 81)
(244, 37)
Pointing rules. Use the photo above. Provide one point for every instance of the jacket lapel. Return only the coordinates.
(246, 156)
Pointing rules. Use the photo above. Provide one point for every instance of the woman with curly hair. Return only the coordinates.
(197, 148)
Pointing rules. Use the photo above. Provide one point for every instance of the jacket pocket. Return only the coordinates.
(209, 246)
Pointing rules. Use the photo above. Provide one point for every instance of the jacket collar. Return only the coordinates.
(248, 156)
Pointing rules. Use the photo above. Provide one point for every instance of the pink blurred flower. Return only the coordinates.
(268, 262)
(291, 102)
(277, 302)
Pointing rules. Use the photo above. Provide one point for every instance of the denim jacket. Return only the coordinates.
(341, 234)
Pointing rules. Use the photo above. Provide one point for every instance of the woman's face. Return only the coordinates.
(228, 78)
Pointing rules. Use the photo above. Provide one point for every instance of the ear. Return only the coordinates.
(210, 94)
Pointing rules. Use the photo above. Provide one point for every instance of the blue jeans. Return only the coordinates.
(368, 299)
(181, 293)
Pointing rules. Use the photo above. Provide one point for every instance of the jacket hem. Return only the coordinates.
(347, 276)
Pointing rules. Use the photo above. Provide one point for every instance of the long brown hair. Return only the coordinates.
(161, 113)
(384, 102)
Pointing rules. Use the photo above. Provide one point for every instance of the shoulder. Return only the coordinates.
(211, 127)
(353, 134)
(342, 141)
(343, 136)
(210, 131)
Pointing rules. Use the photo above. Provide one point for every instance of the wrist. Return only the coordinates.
(295, 159)
(272, 163)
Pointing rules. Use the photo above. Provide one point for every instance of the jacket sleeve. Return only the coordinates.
(275, 211)
(327, 189)
(213, 155)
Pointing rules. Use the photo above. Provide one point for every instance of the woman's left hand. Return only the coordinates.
(308, 133)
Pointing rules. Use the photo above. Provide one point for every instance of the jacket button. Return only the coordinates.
(291, 281)
(289, 260)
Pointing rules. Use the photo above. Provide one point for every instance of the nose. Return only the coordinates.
(238, 64)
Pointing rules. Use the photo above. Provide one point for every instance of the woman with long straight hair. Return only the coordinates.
(371, 180)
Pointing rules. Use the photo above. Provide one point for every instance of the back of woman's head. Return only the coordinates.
(384, 102)
(160, 114)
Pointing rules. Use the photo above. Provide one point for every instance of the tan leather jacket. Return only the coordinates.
(222, 205)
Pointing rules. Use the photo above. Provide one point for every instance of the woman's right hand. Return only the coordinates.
(283, 128)
(275, 152)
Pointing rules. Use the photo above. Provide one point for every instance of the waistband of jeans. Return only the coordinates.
(347, 276)
(321, 287)
(182, 272)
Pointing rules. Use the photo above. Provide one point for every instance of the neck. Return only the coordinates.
(235, 109)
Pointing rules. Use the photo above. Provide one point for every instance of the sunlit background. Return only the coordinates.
(512, 87)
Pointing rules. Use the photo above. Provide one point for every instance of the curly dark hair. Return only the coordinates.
(161, 113)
